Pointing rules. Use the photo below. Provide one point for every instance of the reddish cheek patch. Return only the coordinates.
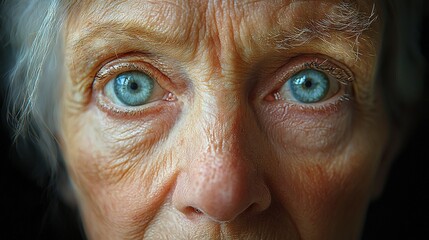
(317, 191)
(317, 184)
(337, 188)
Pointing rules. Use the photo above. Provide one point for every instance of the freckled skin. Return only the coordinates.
(219, 161)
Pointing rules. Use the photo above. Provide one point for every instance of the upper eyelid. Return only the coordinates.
(323, 63)
(117, 66)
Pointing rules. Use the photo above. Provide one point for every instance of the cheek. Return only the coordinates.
(327, 192)
(120, 170)
(326, 187)
(328, 164)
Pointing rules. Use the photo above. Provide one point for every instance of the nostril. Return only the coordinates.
(192, 212)
(254, 208)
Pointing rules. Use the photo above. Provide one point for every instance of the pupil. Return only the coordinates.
(134, 86)
(308, 84)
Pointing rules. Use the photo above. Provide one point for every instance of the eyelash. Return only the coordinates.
(338, 73)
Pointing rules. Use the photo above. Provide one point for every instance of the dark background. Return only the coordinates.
(32, 209)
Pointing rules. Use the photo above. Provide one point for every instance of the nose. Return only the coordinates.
(220, 190)
(220, 181)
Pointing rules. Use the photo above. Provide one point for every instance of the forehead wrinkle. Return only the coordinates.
(159, 19)
(234, 29)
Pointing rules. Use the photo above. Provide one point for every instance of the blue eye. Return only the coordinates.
(132, 88)
(308, 86)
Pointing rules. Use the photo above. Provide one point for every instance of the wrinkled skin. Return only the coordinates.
(214, 154)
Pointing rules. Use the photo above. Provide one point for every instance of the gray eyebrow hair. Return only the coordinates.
(345, 18)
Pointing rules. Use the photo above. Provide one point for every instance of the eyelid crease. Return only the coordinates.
(318, 62)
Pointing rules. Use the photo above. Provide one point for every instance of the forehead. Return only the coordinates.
(165, 16)
(180, 22)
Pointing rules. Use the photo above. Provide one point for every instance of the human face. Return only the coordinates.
(225, 140)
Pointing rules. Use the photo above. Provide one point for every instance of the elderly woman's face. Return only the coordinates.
(223, 119)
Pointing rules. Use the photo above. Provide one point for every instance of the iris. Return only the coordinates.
(309, 86)
(133, 88)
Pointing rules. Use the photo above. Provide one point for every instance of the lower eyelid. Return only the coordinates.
(341, 103)
(153, 108)
(314, 112)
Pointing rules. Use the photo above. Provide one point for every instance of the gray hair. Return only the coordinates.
(34, 81)
(35, 29)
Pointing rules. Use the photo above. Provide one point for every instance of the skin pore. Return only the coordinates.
(217, 151)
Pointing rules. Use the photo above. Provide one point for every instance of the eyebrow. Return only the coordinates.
(344, 19)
